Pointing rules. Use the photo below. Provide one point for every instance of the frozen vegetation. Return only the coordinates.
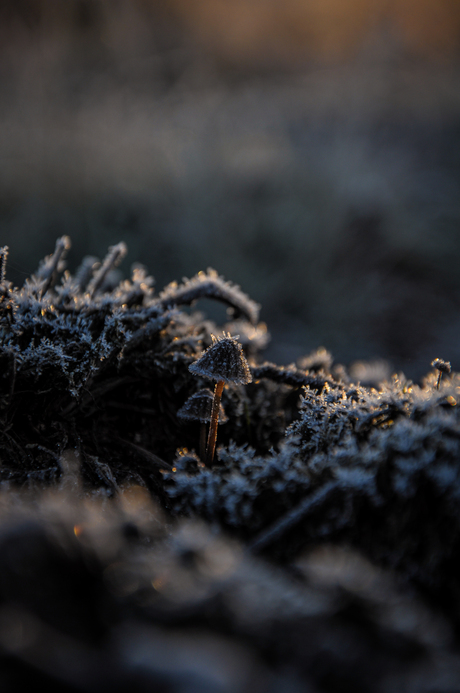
(318, 552)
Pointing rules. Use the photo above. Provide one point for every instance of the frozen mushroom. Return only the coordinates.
(443, 367)
(198, 407)
(224, 362)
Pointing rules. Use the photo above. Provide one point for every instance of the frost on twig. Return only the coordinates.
(112, 259)
(4, 257)
(85, 271)
(210, 285)
(53, 265)
(290, 375)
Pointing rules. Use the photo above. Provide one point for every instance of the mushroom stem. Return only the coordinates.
(438, 382)
(212, 437)
(203, 441)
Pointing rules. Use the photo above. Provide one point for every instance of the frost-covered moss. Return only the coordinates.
(375, 468)
(100, 368)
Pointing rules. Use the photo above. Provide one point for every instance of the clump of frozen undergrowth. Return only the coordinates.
(95, 371)
(344, 433)
(376, 468)
(101, 366)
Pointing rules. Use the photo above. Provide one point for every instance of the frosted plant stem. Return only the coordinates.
(3, 256)
(112, 259)
(62, 246)
(212, 437)
(291, 518)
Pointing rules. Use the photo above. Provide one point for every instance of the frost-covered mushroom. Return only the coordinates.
(198, 407)
(443, 367)
(224, 362)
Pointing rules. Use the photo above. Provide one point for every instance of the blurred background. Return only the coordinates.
(308, 150)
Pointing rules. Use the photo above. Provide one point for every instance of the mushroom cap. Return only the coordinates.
(198, 407)
(441, 365)
(224, 360)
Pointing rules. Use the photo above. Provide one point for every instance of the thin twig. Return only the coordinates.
(291, 518)
(50, 270)
(4, 256)
(146, 454)
(290, 376)
(112, 259)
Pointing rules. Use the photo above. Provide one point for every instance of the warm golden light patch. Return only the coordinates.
(427, 26)
(270, 31)
(275, 29)
(77, 530)
(158, 583)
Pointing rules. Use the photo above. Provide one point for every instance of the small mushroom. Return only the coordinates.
(224, 362)
(198, 407)
(442, 367)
